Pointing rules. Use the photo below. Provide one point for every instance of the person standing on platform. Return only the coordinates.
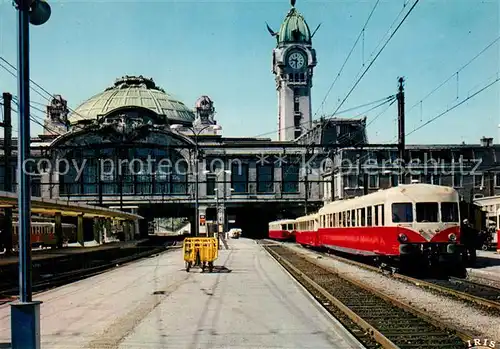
(468, 239)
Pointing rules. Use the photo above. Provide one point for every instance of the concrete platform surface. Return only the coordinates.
(487, 266)
(248, 302)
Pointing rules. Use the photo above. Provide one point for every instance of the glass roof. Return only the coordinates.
(129, 92)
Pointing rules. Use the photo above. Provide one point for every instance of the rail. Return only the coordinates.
(482, 295)
(373, 317)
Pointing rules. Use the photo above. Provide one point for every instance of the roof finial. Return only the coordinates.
(292, 2)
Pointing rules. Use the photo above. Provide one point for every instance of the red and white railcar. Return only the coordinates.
(414, 220)
(282, 230)
(496, 239)
(306, 232)
(44, 234)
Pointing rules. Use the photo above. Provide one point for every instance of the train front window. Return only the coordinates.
(449, 212)
(402, 212)
(427, 212)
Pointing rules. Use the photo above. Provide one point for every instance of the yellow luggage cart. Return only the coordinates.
(200, 251)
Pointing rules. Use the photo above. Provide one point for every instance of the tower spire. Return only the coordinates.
(293, 2)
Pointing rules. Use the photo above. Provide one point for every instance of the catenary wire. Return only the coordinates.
(347, 59)
(454, 74)
(36, 84)
(378, 54)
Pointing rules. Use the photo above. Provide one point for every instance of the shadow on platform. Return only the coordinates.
(216, 270)
(5, 345)
(220, 269)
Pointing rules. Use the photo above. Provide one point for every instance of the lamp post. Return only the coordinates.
(196, 134)
(25, 314)
(224, 218)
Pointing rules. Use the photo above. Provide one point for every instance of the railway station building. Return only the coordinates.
(133, 146)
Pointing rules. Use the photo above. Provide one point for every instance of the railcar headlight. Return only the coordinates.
(452, 237)
(402, 237)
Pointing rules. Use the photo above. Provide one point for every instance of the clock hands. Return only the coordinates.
(296, 60)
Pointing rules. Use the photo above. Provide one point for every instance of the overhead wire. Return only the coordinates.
(389, 100)
(380, 42)
(378, 54)
(440, 114)
(336, 111)
(329, 117)
(32, 117)
(455, 73)
(469, 97)
(386, 33)
(15, 76)
(453, 107)
(374, 59)
(50, 95)
(347, 58)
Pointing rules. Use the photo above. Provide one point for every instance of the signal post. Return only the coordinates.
(25, 314)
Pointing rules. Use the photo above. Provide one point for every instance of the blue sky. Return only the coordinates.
(223, 49)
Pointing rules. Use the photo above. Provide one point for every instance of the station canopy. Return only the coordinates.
(50, 207)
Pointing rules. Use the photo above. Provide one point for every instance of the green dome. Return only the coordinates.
(133, 91)
(294, 29)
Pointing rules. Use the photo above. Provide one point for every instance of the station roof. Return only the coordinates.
(133, 91)
(51, 207)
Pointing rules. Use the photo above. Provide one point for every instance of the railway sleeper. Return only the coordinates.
(338, 286)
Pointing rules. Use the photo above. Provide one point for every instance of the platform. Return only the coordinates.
(49, 253)
(248, 302)
(487, 266)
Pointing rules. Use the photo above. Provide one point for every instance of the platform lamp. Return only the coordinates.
(196, 133)
(224, 197)
(25, 314)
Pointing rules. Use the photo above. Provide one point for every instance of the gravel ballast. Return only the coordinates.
(451, 311)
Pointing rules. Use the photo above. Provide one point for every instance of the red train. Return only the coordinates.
(283, 230)
(496, 237)
(43, 234)
(415, 223)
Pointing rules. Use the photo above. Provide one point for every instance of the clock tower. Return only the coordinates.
(293, 62)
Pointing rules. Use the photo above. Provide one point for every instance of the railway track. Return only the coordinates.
(377, 320)
(8, 294)
(485, 296)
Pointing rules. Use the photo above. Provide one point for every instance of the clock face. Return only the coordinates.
(296, 60)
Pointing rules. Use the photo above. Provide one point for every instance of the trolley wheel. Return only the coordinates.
(188, 266)
(203, 266)
(210, 267)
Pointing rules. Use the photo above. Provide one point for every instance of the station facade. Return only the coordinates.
(135, 147)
